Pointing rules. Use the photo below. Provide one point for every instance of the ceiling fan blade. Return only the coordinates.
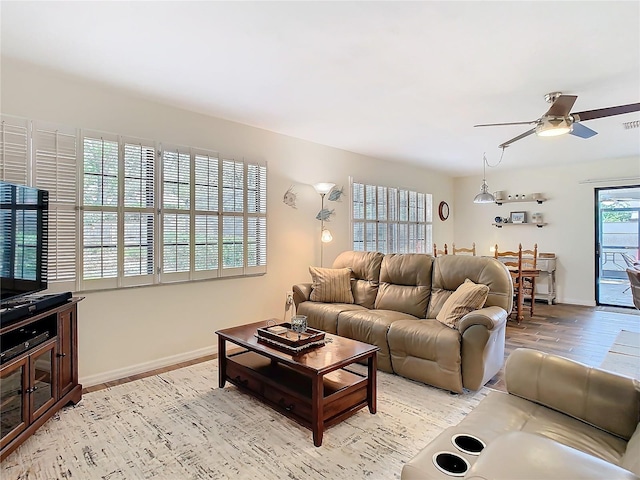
(581, 131)
(562, 106)
(606, 112)
(509, 142)
(501, 124)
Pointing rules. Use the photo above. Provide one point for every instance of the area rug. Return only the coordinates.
(180, 425)
(624, 355)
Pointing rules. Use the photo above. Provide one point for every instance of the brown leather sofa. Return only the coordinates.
(396, 300)
(559, 420)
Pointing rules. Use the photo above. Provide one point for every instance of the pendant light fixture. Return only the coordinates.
(484, 196)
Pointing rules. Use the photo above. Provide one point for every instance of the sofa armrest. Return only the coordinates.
(301, 293)
(600, 398)
(526, 455)
(490, 317)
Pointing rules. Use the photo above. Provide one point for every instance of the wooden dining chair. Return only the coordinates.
(437, 252)
(530, 264)
(471, 250)
(634, 284)
(514, 265)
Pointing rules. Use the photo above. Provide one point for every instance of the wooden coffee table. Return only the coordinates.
(311, 387)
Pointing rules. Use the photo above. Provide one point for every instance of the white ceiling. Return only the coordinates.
(404, 81)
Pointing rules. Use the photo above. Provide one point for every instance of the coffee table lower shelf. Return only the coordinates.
(290, 392)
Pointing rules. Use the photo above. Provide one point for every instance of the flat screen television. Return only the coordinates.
(23, 240)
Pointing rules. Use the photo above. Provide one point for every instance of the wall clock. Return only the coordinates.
(443, 211)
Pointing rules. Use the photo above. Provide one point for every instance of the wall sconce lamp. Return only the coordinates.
(325, 235)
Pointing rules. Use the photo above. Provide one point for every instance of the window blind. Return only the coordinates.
(126, 211)
(390, 220)
(55, 168)
(14, 150)
(256, 218)
(138, 212)
(100, 201)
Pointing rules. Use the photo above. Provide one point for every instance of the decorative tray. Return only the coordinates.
(290, 339)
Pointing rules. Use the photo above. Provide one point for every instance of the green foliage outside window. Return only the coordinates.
(613, 216)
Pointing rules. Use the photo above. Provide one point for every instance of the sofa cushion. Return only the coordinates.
(523, 455)
(365, 274)
(331, 285)
(501, 412)
(371, 326)
(405, 283)
(468, 297)
(575, 389)
(324, 316)
(426, 351)
(631, 458)
(450, 271)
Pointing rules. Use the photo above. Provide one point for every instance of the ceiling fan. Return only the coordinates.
(558, 120)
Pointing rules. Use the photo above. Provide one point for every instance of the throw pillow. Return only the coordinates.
(331, 285)
(468, 297)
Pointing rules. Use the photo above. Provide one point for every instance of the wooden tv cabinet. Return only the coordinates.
(39, 381)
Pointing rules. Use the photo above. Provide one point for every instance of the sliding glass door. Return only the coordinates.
(617, 243)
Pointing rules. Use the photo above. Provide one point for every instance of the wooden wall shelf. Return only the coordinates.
(500, 225)
(539, 201)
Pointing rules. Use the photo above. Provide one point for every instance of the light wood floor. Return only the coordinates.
(580, 333)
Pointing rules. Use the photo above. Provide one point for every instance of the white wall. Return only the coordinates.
(128, 331)
(569, 212)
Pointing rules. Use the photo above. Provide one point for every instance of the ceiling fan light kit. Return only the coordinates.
(554, 126)
(558, 120)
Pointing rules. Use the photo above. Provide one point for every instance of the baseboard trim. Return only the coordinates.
(578, 301)
(120, 373)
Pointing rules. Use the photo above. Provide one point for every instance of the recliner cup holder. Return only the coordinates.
(450, 464)
(468, 443)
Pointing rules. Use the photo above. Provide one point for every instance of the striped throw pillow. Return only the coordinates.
(468, 297)
(331, 285)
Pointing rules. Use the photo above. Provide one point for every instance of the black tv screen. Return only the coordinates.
(23, 240)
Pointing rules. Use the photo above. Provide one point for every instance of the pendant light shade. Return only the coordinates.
(484, 196)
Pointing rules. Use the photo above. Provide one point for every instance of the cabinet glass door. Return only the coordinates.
(43, 391)
(13, 406)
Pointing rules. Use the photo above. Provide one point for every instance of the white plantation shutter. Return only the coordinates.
(256, 237)
(139, 225)
(123, 213)
(206, 220)
(100, 201)
(55, 150)
(357, 216)
(14, 150)
(390, 220)
(176, 213)
(233, 230)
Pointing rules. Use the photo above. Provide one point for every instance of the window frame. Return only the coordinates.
(400, 210)
(253, 240)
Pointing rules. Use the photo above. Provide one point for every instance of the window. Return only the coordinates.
(126, 212)
(390, 220)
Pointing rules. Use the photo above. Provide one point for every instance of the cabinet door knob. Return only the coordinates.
(61, 354)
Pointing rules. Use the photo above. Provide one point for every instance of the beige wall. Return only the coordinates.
(128, 331)
(569, 213)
